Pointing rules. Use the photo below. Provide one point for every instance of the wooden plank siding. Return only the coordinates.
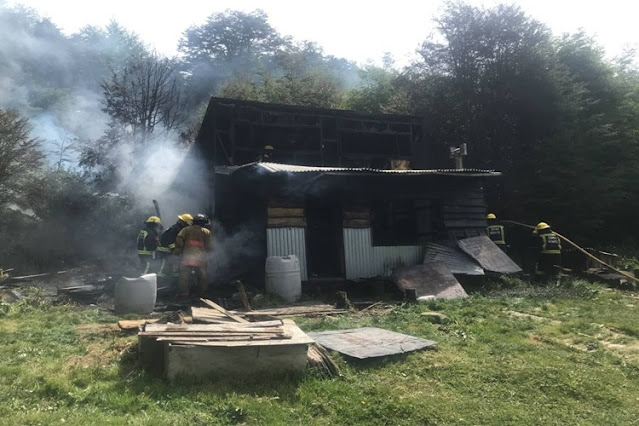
(285, 214)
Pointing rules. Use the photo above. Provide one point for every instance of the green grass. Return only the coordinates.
(513, 354)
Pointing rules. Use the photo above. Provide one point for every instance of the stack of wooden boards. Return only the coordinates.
(215, 316)
(227, 346)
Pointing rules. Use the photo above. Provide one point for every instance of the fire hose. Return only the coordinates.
(624, 273)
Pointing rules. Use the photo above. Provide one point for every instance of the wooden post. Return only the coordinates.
(411, 295)
(342, 301)
(242, 291)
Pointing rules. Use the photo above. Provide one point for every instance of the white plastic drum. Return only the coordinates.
(136, 295)
(283, 277)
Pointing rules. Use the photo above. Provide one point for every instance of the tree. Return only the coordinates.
(378, 91)
(229, 43)
(231, 35)
(20, 156)
(146, 94)
(300, 76)
(103, 49)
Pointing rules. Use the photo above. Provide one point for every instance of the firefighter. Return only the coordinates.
(267, 153)
(193, 244)
(148, 240)
(167, 245)
(496, 231)
(549, 249)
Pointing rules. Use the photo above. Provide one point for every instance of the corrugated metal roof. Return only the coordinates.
(457, 261)
(290, 168)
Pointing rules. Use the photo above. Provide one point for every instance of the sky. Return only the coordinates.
(356, 30)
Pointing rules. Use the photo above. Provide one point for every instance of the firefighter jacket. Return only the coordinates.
(148, 240)
(549, 243)
(496, 233)
(193, 243)
(167, 240)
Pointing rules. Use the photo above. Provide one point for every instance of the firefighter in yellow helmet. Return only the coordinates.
(496, 231)
(549, 249)
(267, 153)
(193, 244)
(167, 246)
(148, 240)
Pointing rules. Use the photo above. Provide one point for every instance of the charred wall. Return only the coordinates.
(236, 132)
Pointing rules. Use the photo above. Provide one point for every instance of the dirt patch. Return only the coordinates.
(9, 326)
(618, 344)
(100, 354)
(532, 317)
(85, 330)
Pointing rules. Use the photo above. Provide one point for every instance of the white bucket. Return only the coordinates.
(283, 277)
(136, 295)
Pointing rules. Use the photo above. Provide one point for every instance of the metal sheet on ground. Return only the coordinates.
(370, 342)
(488, 255)
(456, 260)
(429, 279)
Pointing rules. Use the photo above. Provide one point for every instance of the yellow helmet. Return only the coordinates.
(541, 225)
(185, 217)
(491, 216)
(153, 219)
(269, 148)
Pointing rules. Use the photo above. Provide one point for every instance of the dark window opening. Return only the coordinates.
(394, 223)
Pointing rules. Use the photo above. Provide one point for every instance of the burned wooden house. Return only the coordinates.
(350, 194)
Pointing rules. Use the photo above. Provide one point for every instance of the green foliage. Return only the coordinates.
(378, 91)
(299, 77)
(20, 156)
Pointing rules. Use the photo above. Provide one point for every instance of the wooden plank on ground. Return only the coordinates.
(245, 300)
(213, 327)
(210, 316)
(298, 337)
(134, 324)
(320, 309)
(224, 311)
(270, 330)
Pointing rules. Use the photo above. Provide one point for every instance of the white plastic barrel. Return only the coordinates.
(283, 277)
(136, 295)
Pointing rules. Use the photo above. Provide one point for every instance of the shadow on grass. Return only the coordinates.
(371, 364)
(137, 379)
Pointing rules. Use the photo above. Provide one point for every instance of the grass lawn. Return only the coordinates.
(520, 355)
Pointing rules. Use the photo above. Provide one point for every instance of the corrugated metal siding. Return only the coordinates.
(285, 241)
(457, 261)
(362, 260)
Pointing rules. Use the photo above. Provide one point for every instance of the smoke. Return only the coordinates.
(52, 79)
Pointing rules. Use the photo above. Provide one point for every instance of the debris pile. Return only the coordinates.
(226, 346)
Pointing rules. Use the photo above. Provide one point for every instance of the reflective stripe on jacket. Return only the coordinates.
(167, 240)
(192, 244)
(147, 242)
(550, 243)
(496, 233)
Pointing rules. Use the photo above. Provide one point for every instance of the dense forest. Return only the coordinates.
(91, 123)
